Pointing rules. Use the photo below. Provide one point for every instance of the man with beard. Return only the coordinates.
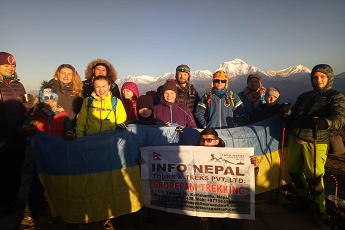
(187, 94)
(100, 67)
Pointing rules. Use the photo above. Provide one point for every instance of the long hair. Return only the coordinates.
(76, 81)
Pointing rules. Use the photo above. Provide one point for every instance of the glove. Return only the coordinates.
(285, 109)
(320, 123)
(29, 130)
(3, 144)
(121, 126)
(69, 136)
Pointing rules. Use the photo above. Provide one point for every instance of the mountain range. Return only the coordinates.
(291, 81)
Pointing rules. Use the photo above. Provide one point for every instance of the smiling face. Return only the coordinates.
(7, 69)
(182, 78)
(219, 84)
(169, 96)
(102, 87)
(320, 80)
(127, 94)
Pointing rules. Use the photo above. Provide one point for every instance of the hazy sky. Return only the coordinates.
(152, 37)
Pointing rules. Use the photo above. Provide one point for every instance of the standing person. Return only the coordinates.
(171, 111)
(129, 96)
(186, 93)
(312, 117)
(12, 109)
(68, 86)
(50, 118)
(220, 108)
(101, 111)
(100, 67)
(253, 93)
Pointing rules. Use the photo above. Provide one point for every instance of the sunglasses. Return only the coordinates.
(208, 140)
(219, 81)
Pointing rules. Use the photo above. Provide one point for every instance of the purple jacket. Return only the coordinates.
(174, 113)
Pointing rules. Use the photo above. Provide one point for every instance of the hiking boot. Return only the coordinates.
(298, 204)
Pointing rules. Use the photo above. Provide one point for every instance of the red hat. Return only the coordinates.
(6, 58)
(132, 87)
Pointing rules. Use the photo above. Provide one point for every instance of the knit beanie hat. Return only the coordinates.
(48, 93)
(220, 74)
(251, 76)
(6, 58)
(323, 68)
(170, 85)
(271, 91)
(144, 101)
(182, 68)
(132, 87)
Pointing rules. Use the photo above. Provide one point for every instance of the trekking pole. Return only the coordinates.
(336, 191)
(314, 187)
(281, 155)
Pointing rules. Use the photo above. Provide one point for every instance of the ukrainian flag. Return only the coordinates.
(96, 177)
(266, 137)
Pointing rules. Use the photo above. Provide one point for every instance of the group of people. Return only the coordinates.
(69, 107)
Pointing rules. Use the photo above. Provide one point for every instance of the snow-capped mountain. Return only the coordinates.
(291, 81)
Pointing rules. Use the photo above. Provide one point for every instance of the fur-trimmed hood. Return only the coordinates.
(112, 72)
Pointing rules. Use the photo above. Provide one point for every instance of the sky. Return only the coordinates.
(152, 37)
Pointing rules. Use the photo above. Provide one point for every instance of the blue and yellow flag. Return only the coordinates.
(96, 177)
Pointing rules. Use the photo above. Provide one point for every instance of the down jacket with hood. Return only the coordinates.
(88, 83)
(99, 115)
(325, 103)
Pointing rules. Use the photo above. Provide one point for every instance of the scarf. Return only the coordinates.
(254, 97)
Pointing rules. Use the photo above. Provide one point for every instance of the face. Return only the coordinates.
(320, 80)
(209, 140)
(253, 84)
(182, 77)
(128, 94)
(145, 112)
(7, 69)
(219, 84)
(50, 104)
(101, 87)
(169, 96)
(100, 71)
(271, 100)
(65, 75)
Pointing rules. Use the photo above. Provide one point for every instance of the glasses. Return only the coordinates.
(219, 81)
(208, 140)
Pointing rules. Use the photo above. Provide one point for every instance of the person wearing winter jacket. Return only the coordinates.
(186, 93)
(13, 108)
(170, 111)
(68, 85)
(100, 67)
(101, 111)
(253, 94)
(314, 115)
(50, 118)
(220, 108)
(129, 96)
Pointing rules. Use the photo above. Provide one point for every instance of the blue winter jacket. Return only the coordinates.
(217, 114)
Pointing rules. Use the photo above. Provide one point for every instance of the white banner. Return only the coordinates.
(199, 181)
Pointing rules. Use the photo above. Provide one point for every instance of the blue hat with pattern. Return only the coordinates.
(48, 93)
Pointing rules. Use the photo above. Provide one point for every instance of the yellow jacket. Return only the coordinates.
(99, 116)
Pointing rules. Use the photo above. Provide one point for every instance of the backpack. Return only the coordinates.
(113, 102)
